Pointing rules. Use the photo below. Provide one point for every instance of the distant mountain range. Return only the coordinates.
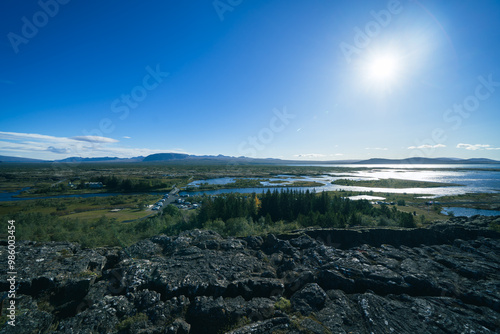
(181, 158)
(4, 158)
(103, 159)
(417, 160)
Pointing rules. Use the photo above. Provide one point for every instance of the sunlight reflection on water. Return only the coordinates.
(479, 180)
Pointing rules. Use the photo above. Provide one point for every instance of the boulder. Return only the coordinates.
(311, 298)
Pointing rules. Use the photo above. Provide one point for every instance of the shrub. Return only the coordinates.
(216, 225)
(129, 321)
(383, 221)
(171, 210)
(237, 227)
(283, 305)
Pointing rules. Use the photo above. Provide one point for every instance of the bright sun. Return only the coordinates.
(383, 69)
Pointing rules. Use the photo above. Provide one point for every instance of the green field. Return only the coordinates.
(124, 215)
(132, 206)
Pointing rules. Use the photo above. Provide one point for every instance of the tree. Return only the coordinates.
(141, 205)
(406, 220)
(127, 185)
(112, 182)
(268, 220)
(171, 210)
(215, 225)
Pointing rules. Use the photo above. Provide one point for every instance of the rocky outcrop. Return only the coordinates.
(442, 279)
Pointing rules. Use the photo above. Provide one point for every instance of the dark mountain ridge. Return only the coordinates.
(180, 158)
(4, 158)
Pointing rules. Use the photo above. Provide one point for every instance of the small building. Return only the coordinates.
(94, 185)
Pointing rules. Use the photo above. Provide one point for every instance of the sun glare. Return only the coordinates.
(383, 69)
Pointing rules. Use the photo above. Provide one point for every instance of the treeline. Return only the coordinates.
(111, 183)
(229, 215)
(114, 183)
(43, 227)
(305, 208)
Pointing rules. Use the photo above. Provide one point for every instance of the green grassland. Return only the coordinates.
(124, 215)
(306, 184)
(486, 201)
(132, 206)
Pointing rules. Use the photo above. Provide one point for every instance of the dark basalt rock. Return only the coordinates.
(441, 279)
(310, 298)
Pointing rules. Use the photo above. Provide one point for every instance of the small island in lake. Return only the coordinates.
(393, 183)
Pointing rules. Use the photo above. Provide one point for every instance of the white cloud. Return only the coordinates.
(94, 139)
(476, 147)
(377, 148)
(19, 136)
(54, 146)
(25, 146)
(29, 136)
(27, 143)
(31, 145)
(426, 146)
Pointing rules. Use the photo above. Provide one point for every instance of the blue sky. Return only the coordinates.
(322, 79)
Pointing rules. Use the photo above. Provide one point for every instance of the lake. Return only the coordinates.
(472, 178)
(467, 212)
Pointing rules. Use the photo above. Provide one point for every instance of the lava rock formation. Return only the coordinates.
(441, 279)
